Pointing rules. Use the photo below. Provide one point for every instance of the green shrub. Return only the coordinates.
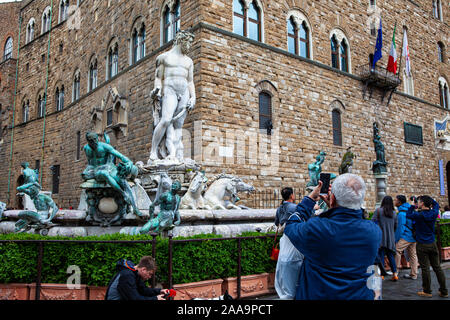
(192, 261)
(445, 233)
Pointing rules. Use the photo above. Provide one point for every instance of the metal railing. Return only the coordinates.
(171, 243)
(239, 255)
(378, 75)
(41, 253)
(267, 199)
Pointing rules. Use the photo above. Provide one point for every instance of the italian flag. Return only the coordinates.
(392, 62)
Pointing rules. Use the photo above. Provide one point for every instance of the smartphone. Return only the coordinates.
(325, 178)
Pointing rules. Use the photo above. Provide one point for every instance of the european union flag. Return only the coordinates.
(377, 55)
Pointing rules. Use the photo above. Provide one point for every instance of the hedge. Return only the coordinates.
(192, 261)
(445, 233)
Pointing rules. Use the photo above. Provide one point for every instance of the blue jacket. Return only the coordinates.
(424, 222)
(284, 212)
(339, 246)
(404, 225)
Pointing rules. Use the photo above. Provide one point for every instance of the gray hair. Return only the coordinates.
(349, 190)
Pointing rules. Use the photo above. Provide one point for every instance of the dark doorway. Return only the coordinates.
(447, 171)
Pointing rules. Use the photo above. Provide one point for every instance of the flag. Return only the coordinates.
(405, 53)
(378, 46)
(392, 62)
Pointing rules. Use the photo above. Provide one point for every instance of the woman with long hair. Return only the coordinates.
(386, 218)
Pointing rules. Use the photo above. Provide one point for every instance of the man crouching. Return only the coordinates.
(129, 281)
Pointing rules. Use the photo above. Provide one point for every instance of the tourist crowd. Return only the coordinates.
(339, 253)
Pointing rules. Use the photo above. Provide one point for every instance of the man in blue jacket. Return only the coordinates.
(339, 245)
(129, 281)
(427, 250)
(404, 239)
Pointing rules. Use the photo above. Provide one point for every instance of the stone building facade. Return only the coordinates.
(247, 70)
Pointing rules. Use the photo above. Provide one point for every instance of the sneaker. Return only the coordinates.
(389, 273)
(408, 276)
(424, 294)
(382, 277)
(394, 278)
(443, 295)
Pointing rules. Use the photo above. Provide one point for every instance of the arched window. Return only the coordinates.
(437, 9)
(113, 60)
(443, 93)
(40, 106)
(337, 127)
(334, 53)
(344, 56)
(304, 40)
(292, 36)
(8, 49)
(93, 74)
(30, 30)
(340, 51)
(254, 22)
(265, 111)
(59, 98)
(138, 43)
(441, 51)
(171, 21)
(46, 20)
(247, 22)
(63, 10)
(76, 87)
(26, 111)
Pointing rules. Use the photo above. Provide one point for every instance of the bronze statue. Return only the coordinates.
(347, 162)
(379, 165)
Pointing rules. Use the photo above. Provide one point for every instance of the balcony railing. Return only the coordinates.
(379, 76)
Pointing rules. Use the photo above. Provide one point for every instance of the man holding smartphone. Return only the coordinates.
(339, 246)
(427, 250)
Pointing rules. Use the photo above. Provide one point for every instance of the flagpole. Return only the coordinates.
(401, 54)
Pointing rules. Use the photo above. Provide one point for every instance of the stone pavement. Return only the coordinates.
(403, 289)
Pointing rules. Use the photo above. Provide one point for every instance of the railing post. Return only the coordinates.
(239, 270)
(170, 261)
(39, 270)
(154, 256)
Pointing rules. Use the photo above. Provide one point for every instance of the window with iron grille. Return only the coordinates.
(413, 134)
(337, 128)
(55, 179)
(265, 110)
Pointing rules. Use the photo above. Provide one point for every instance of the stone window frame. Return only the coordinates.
(25, 111)
(8, 48)
(437, 10)
(138, 34)
(76, 79)
(443, 93)
(266, 86)
(112, 53)
(30, 32)
(59, 97)
(299, 18)
(40, 104)
(169, 7)
(339, 107)
(340, 37)
(46, 24)
(63, 10)
(260, 7)
(93, 65)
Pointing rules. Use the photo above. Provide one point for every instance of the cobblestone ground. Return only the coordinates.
(404, 289)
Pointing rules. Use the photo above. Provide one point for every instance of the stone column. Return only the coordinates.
(380, 183)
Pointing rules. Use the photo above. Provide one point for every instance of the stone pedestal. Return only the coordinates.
(380, 184)
(149, 174)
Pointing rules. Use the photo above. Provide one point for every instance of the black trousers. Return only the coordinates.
(428, 255)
